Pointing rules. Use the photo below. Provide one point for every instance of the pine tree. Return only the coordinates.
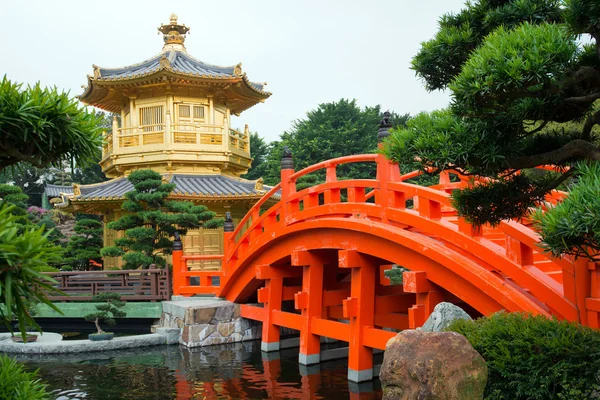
(152, 220)
(86, 244)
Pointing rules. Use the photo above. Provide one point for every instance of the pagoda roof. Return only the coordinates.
(185, 186)
(172, 66)
(178, 62)
(57, 190)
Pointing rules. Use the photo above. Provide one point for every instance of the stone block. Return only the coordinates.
(201, 315)
(432, 366)
(224, 313)
(226, 328)
(442, 316)
(172, 334)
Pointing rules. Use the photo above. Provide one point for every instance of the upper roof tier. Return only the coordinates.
(172, 66)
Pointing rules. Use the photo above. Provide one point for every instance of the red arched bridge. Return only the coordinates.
(325, 248)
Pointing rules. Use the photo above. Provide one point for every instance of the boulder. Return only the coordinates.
(442, 316)
(421, 365)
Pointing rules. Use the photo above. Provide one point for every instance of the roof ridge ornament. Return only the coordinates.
(164, 62)
(237, 70)
(173, 33)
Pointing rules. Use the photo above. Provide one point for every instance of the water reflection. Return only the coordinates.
(233, 371)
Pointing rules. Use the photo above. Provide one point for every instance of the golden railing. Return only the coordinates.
(141, 135)
(178, 134)
(197, 134)
(238, 140)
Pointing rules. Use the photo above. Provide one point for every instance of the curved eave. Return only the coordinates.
(98, 88)
(179, 196)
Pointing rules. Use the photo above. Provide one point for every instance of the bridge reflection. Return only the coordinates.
(268, 379)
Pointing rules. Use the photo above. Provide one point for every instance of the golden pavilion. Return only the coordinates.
(175, 118)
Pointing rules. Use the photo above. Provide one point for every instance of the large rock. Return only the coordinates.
(421, 365)
(442, 316)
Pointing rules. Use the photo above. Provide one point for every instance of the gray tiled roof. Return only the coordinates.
(113, 188)
(56, 190)
(192, 185)
(214, 185)
(179, 62)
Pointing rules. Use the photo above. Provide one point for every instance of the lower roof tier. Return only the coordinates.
(200, 186)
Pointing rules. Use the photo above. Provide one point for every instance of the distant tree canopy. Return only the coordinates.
(523, 95)
(41, 126)
(331, 130)
(259, 149)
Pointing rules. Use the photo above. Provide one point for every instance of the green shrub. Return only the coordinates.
(66, 268)
(18, 384)
(46, 268)
(533, 357)
(21, 285)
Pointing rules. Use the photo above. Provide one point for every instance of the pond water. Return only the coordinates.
(232, 371)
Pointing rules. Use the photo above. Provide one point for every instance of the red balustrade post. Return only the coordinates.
(287, 187)
(178, 280)
(387, 171)
(593, 302)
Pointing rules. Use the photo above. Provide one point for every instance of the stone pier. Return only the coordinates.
(204, 321)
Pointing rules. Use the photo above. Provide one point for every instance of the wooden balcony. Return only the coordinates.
(179, 136)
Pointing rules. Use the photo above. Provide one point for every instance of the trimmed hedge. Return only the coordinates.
(18, 384)
(535, 358)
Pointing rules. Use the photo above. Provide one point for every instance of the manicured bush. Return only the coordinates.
(18, 384)
(535, 358)
(46, 268)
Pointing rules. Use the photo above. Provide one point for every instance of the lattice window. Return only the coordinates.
(184, 111)
(198, 112)
(191, 113)
(152, 118)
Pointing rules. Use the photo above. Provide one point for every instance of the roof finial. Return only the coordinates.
(384, 125)
(173, 33)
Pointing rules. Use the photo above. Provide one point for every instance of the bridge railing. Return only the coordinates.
(132, 285)
(208, 282)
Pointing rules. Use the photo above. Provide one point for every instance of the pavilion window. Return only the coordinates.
(151, 118)
(191, 114)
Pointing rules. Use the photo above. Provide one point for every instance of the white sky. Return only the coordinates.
(309, 51)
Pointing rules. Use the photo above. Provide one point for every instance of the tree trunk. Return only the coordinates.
(98, 326)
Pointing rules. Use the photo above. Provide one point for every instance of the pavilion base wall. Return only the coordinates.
(208, 321)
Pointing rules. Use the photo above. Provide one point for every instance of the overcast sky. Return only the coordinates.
(309, 52)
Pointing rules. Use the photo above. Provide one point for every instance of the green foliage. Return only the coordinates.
(395, 274)
(108, 311)
(259, 149)
(573, 226)
(535, 358)
(331, 130)
(46, 268)
(439, 61)
(15, 196)
(21, 285)
(18, 384)
(152, 220)
(86, 244)
(41, 126)
(524, 94)
(28, 178)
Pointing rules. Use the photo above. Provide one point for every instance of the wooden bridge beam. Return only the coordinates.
(428, 294)
(271, 296)
(310, 302)
(359, 309)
